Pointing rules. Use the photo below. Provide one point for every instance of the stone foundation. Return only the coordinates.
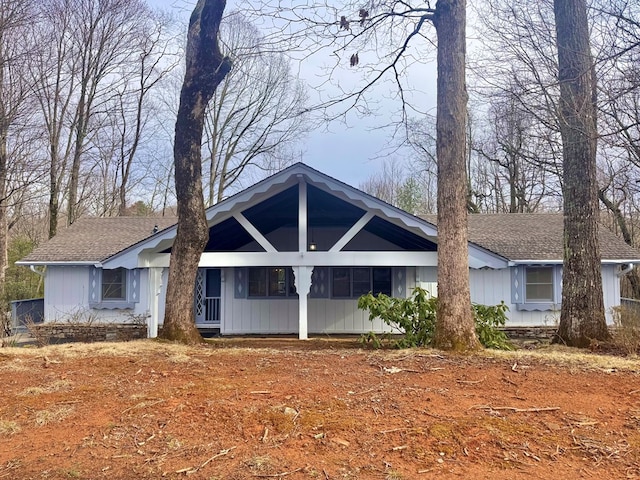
(530, 333)
(101, 332)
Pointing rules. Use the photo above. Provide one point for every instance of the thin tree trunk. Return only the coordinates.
(206, 68)
(582, 317)
(455, 328)
(4, 241)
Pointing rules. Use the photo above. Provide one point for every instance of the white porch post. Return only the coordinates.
(302, 215)
(155, 284)
(303, 286)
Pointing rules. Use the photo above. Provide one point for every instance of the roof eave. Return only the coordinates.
(68, 263)
(605, 261)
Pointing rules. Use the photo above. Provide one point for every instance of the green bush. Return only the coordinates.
(415, 319)
(489, 319)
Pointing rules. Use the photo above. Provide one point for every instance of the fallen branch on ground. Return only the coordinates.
(276, 475)
(516, 409)
(190, 470)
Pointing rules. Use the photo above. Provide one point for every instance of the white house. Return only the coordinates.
(292, 254)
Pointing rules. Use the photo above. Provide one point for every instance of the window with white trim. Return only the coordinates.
(353, 282)
(539, 286)
(536, 287)
(117, 288)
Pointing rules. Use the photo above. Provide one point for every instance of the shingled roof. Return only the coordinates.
(535, 236)
(514, 236)
(96, 239)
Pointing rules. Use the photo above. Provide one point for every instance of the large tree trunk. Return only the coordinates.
(206, 68)
(582, 317)
(455, 328)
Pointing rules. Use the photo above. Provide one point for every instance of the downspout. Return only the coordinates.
(625, 270)
(36, 271)
(39, 273)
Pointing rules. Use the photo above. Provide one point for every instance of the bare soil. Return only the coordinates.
(279, 408)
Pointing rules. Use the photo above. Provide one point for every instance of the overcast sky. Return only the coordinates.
(354, 150)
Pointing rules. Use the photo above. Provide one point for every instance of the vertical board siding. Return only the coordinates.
(489, 287)
(610, 290)
(67, 297)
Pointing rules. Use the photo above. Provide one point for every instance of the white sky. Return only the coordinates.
(351, 151)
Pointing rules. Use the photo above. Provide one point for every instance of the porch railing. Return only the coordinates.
(212, 310)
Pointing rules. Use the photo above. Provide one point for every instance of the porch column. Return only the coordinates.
(302, 214)
(303, 285)
(155, 285)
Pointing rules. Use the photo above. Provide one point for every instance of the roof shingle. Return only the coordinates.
(515, 236)
(535, 236)
(95, 239)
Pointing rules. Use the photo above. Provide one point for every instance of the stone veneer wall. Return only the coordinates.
(541, 333)
(103, 332)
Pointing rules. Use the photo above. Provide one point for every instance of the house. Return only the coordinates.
(292, 254)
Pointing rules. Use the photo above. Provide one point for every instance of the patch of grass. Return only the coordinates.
(259, 464)
(56, 386)
(16, 365)
(45, 417)
(393, 475)
(9, 427)
(174, 444)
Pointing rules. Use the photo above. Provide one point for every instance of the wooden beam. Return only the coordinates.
(352, 232)
(253, 231)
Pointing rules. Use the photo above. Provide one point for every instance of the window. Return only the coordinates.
(117, 288)
(114, 284)
(341, 282)
(536, 288)
(539, 285)
(271, 282)
(357, 281)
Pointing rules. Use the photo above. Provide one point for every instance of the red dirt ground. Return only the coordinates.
(314, 410)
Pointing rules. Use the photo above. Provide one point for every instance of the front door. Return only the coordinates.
(208, 297)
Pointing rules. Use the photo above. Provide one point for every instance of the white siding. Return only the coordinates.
(611, 290)
(273, 315)
(489, 287)
(341, 316)
(67, 297)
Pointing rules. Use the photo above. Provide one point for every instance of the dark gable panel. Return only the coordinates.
(326, 210)
(279, 211)
(229, 236)
(387, 231)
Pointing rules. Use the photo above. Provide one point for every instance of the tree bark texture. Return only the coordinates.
(455, 329)
(582, 317)
(206, 68)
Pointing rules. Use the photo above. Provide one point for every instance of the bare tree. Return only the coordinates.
(156, 60)
(126, 125)
(206, 67)
(16, 18)
(582, 317)
(257, 114)
(508, 141)
(86, 48)
(393, 33)
(104, 37)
